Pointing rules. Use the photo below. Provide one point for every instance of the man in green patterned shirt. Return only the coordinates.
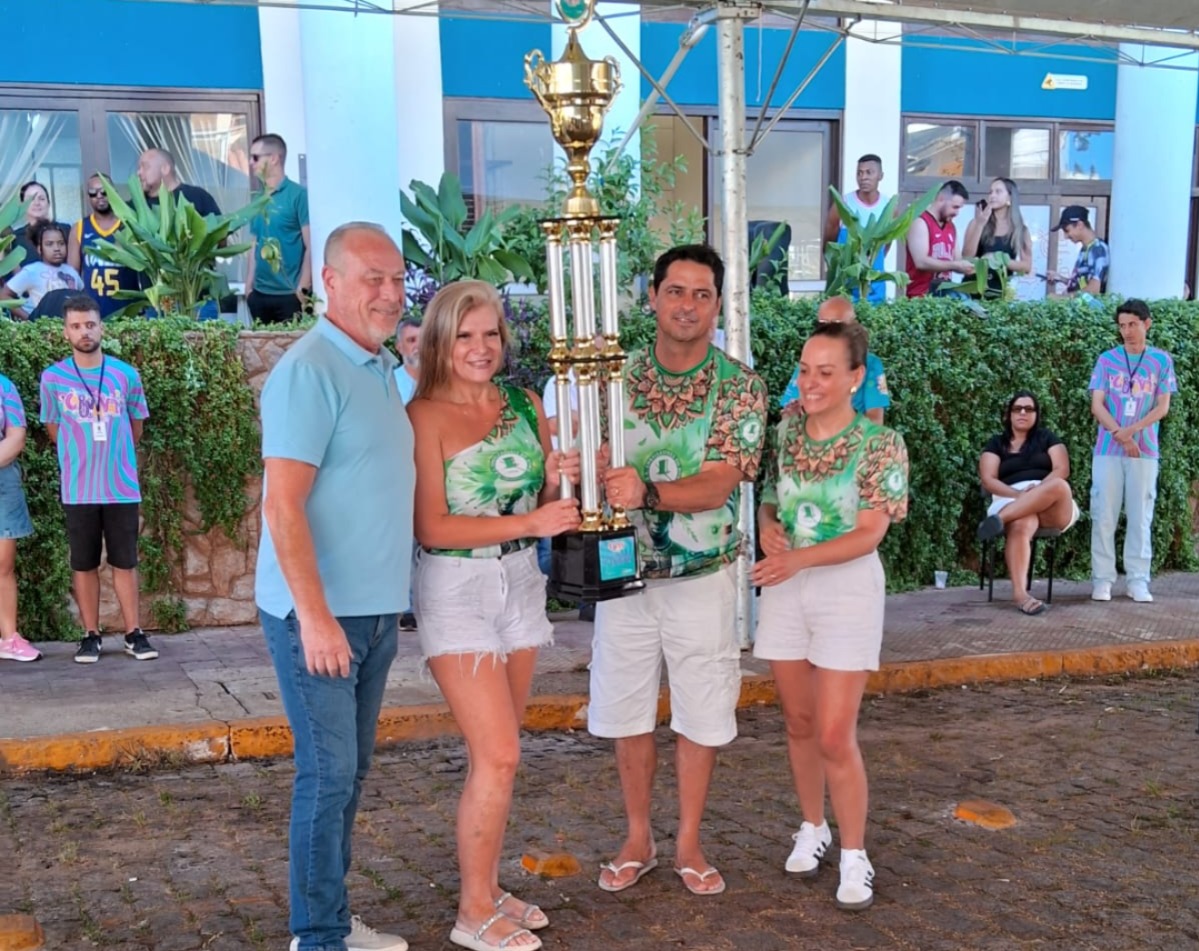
(693, 431)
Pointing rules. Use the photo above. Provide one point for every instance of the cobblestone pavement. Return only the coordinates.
(1101, 777)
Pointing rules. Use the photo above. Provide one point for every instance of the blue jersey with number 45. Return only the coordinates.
(102, 279)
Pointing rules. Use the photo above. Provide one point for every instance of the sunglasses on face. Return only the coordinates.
(1024, 409)
(95, 194)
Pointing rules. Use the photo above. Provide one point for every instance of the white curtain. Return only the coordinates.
(26, 138)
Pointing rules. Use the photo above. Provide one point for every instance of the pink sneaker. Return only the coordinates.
(17, 648)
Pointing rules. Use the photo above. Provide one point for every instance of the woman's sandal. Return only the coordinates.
(703, 877)
(474, 941)
(1032, 607)
(533, 918)
(990, 527)
(643, 869)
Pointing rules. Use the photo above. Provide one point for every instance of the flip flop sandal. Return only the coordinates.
(474, 941)
(703, 877)
(534, 919)
(1041, 607)
(990, 527)
(643, 869)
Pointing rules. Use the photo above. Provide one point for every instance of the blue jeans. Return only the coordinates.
(333, 721)
(1133, 482)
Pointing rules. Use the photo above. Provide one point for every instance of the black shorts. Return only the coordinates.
(116, 524)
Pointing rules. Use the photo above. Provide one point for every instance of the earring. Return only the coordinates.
(853, 389)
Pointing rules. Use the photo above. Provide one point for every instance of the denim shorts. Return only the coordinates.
(14, 513)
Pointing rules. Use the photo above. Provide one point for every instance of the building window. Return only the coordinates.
(42, 144)
(934, 150)
(1085, 154)
(1017, 153)
(503, 163)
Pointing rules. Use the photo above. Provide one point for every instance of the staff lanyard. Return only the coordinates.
(100, 385)
(1132, 371)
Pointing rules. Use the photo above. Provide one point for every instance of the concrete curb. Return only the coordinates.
(214, 741)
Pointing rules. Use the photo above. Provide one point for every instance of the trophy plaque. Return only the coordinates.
(599, 561)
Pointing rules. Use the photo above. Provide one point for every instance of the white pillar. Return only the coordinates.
(872, 108)
(625, 20)
(1151, 176)
(419, 101)
(283, 81)
(350, 111)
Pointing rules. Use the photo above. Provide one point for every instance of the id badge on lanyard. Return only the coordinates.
(99, 430)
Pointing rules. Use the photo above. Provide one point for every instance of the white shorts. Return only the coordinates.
(999, 501)
(690, 623)
(830, 616)
(480, 605)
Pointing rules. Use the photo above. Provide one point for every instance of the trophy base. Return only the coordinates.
(594, 566)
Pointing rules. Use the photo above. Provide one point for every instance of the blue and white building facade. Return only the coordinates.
(369, 102)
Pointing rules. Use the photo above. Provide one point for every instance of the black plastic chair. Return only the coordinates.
(989, 554)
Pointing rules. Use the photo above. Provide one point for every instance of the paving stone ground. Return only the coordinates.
(1101, 776)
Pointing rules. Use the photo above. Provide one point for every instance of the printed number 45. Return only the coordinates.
(105, 283)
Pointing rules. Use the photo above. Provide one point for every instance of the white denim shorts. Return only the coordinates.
(480, 605)
(1000, 501)
(830, 616)
(690, 624)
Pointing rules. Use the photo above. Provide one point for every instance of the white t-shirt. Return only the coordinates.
(36, 280)
(549, 400)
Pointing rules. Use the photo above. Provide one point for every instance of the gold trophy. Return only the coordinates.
(600, 560)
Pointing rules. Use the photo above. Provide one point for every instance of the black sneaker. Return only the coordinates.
(138, 646)
(88, 651)
(407, 621)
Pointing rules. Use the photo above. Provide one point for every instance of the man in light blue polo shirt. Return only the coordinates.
(333, 564)
(872, 398)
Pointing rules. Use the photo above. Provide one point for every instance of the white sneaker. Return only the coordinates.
(1101, 591)
(362, 937)
(1139, 591)
(811, 842)
(856, 890)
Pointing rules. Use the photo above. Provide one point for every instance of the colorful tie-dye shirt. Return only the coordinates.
(1131, 385)
(12, 410)
(818, 486)
(95, 472)
(675, 422)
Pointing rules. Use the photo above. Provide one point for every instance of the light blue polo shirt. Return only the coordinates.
(334, 405)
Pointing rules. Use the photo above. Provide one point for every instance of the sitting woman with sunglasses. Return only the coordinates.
(1025, 469)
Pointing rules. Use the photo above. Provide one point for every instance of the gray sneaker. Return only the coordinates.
(362, 937)
(88, 651)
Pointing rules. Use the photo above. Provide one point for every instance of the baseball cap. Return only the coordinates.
(1072, 214)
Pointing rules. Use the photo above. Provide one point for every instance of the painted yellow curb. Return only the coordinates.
(267, 737)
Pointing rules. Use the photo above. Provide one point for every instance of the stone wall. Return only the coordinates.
(218, 572)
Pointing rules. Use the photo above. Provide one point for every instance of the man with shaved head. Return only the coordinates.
(872, 397)
(157, 170)
(333, 564)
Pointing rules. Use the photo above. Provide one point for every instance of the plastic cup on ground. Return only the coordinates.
(941, 578)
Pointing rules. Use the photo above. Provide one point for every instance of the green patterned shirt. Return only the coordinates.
(819, 486)
(675, 423)
(502, 474)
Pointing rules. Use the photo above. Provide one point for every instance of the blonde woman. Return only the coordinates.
(998, 226)
(486, 489)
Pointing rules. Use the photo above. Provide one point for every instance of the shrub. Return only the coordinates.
(202, 431)
(949, 374)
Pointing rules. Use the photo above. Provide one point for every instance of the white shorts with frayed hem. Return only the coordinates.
(830, 616)
(689, 623)
(480, 605)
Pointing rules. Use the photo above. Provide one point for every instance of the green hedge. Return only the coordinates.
(950, 373)
(202, 430)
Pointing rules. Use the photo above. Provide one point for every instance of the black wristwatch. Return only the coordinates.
(652, 500)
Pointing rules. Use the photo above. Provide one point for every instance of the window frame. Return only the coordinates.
(94, 103)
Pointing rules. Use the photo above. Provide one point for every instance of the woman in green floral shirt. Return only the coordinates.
(834, 483)
(487, 486)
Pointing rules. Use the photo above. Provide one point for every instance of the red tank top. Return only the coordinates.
(942, 245)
